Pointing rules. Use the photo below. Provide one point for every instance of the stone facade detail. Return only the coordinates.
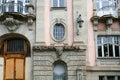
(45, 56)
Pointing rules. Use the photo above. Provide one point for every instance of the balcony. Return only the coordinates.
(107, 10)
(13, 14)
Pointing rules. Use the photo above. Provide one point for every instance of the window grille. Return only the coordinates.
(59, 31)
(15, 45)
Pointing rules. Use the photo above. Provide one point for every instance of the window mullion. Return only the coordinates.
(113, 43)
(102, 47)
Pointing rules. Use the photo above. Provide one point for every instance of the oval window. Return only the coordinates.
(59, 32)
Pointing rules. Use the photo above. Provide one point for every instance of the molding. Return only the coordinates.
(103, 68)
(58, 48)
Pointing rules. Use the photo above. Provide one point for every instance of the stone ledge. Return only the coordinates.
(53, 48)
(103, 68)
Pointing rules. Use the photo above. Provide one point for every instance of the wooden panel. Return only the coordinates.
(19, 68)
(9, 74)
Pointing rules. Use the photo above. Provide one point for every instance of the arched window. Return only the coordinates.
(59, 32)
(60, 71)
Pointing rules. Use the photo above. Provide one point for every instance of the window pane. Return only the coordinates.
(117, 51)
(27, 1)
(105, 5)
(3, 1)
(3, 7)
(61, 3)
(15, 45)
(99, 40)
(110, 50)
(118, 77)
(55, 3)
(97, 6)
(101, 78)
(20, 6)
(99, 51)
(110, 77)
(105, 50)
(11, 6)
(59, 72)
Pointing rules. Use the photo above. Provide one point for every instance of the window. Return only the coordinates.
(11, 6)
(109, 77)
(108, 46)
(59, 72)
(106, 7)
(15, 45)
(27, 1)
(58, 3)
(59, 32)
(20, 6)
(15, 6)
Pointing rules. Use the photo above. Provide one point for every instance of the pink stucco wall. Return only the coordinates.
(47, 21)
(91, 43)
(70, 21)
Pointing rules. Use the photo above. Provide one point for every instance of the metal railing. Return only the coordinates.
(107, 10)
(13, 7)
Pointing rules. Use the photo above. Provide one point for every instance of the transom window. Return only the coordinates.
(108, 46)
(15, 45)
(59, 72)
(59, 31)
(58, 3)
(106, 7)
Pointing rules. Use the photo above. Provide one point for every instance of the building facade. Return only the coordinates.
(59, 40)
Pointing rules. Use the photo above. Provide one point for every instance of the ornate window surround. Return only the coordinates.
(58, 21)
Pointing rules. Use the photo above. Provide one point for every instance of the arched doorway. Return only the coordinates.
(14, 51)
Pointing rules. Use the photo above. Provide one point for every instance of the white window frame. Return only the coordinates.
(112, 43)
(59, 31)
(16, 6)
(101, 11)
(58, 3)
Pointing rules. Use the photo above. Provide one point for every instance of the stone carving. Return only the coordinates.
(59, 51)
(54, 48)
(11, 23)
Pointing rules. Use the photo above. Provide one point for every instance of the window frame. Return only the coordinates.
(58, 4)
(59, 62)
(51, 31)
(112, 43)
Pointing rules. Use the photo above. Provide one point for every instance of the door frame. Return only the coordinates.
(16, 55)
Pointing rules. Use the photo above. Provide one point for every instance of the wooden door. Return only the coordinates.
(14, 54)
(14, 69)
